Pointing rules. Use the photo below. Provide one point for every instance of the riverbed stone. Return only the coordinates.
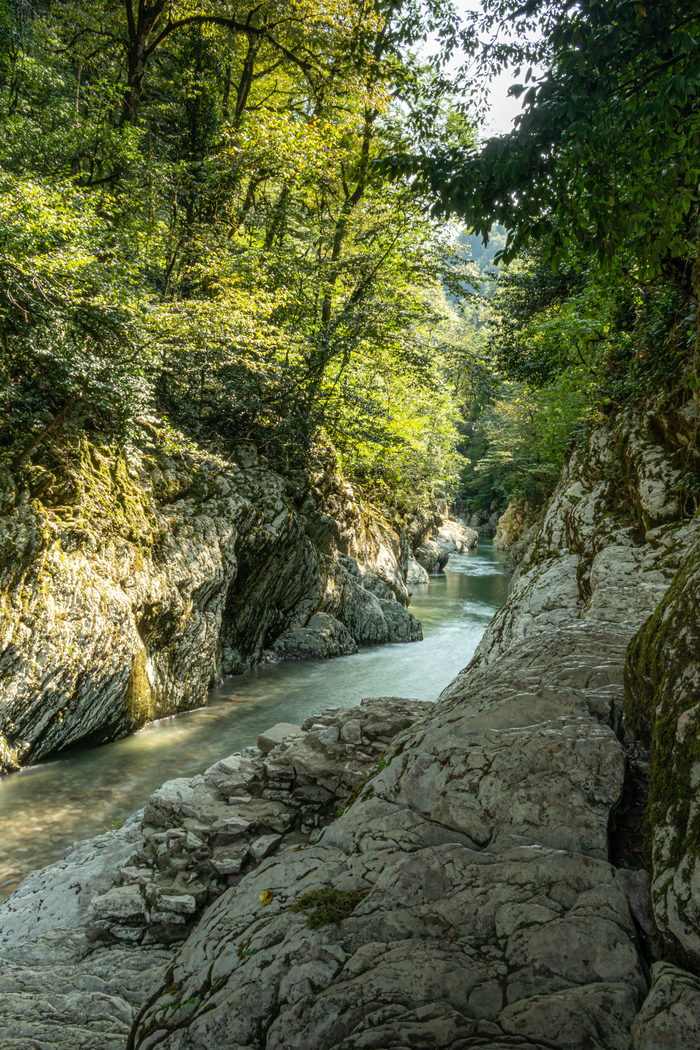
(276, 734)
(431, 556)
(454, 537)
(415, 573)
(322, 637)
(121, 903)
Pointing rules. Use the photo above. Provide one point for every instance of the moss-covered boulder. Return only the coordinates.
(662, 705)
(131, 580)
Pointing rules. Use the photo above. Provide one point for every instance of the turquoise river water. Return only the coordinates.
(44, 808)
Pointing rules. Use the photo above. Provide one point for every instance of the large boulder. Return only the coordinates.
(415, 573)
(448, 536)
(670, 1017)
(454, 537)
(431, 556)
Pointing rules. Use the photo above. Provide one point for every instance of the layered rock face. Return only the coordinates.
(442, 538)
(484, 521)
(125, 598)
(464, 896)
(663, 704)
(515, 531)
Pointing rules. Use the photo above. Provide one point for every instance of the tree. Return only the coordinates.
(606, 154)
(226, 254)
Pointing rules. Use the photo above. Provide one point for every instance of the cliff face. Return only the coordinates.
(611, 540)
(663, 705)
(481, 887)
(126, 600)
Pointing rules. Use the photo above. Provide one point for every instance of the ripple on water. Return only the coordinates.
(45, 808)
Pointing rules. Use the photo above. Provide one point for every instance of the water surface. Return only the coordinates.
(47, 807)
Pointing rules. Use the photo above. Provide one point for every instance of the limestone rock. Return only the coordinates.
(276, 734)
(427, 935)
(369, 619)
(671, 1012)
(431, 556)
(593, 1017)
(89, 1005)
(454, 537)
(163, 575)
(480, 847)
(511, 526)
(58, 987)
(485, 520)
(38, 921)
(663, 682)
(654, 475)
(141, 889)
(406, 875)
(583, 559)
(415, 572)
(323, 636)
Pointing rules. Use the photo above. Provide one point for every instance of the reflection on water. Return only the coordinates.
(45, 808)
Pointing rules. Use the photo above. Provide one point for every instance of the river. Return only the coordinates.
(44, 808)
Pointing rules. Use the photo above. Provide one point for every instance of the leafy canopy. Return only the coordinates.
(605, 156)
(193, 226)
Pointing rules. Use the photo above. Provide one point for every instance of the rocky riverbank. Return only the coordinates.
(464, 875)
(133, 583)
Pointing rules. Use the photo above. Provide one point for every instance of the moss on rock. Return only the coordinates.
(662, 705)
(327, 906)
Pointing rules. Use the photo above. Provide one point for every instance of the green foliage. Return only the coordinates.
(484, 256)
(199, 233)
(327, 906)
(530, 431)
(247, 953)
(606, 154)
(564, 347)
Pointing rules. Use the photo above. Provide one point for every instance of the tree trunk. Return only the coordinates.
(355, 197)
(140, 26)
(246, 81)
(341, 225)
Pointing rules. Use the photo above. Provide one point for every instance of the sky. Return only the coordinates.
(502, 109)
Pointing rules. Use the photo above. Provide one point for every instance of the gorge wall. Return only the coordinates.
(137, 582)
(464, 875)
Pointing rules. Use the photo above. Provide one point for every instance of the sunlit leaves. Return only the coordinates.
(228, 257)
